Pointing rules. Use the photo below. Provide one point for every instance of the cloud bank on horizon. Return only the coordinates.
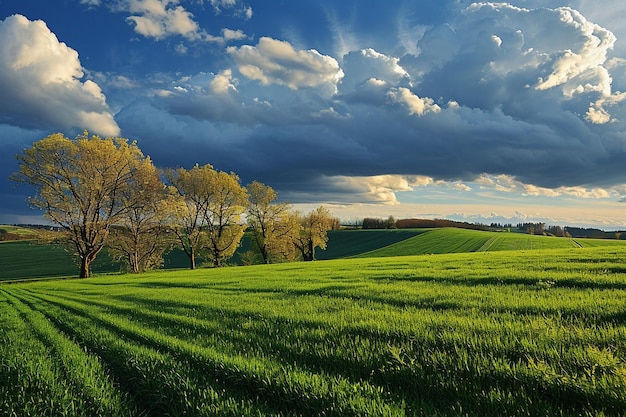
(355, 103)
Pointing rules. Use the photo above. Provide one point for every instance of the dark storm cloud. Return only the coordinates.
(495, 89)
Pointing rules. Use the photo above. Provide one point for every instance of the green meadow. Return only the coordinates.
(27, 259)
(527, 332)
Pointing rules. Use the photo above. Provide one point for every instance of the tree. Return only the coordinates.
(141, 236)
(80, 186)
(272, 224)
(209, 212)
(313, 232)
(223, 216)
(194, 189)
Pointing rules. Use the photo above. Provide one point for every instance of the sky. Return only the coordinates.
(474, 111)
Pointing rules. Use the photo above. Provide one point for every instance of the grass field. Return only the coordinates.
(345, 243)
(450, 240)
(27, 259)
(19, 231)
(524, 333)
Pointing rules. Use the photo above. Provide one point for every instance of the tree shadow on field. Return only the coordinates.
(536, 282)
(355, 352)
(347, 293)
(245, 337)
(586, 284)
(181, 284)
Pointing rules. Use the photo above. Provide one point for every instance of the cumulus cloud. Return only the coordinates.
(160, 18)
(525, 98)
(508, 184)
(273, 61)
(416, 105)
(369, 65)
(374, 189)
(223, 83)
(508, 50)
(40, 80)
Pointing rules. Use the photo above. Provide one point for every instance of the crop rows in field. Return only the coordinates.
(440, 241)
(537, 333)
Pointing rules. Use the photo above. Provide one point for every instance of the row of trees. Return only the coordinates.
(106, 193)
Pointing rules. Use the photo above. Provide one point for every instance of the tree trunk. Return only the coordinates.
(311, 250)
(192, 259)
(265, 254)
(85, 261)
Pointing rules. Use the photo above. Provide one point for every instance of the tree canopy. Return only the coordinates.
(103, 192)
(209, 213)
(273, 226)
(85, 185)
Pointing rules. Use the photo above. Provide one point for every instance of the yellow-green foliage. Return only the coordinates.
(491, 333)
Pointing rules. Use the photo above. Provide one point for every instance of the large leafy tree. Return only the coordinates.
(82, 185)
(194, 188)
(141, 236)
(208, 219)
(223, 216)
(313, 232)
(272, 224)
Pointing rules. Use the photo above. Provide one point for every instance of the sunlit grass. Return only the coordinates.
(488, 333)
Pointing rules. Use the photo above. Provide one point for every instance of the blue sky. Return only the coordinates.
(482, 112)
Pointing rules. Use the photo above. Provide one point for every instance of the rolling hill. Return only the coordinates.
(451, 240)
(27, 259)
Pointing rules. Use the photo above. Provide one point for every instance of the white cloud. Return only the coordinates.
(496, 39)
(583, 58)
(40, 80)
(416, 105)
(233, 35)
(506, 51)
(277, 62)
(161, 18)
(362, 66)
(508, 184)
(223, 83)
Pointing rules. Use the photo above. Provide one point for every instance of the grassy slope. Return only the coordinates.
(27, 259)
(494, 333)
(450, 240)
(22, 231)
(345, 243)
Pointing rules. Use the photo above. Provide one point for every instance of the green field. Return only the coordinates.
(19, 231)
(450, 240)
(346, 243)
(524, 333)
(28, 259)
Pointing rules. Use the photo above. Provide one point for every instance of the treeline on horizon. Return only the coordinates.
(390, 223)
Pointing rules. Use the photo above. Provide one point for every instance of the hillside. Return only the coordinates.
(8, 233)
(533, 333)
(28, 259)
(345, 243)
(450, 240)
